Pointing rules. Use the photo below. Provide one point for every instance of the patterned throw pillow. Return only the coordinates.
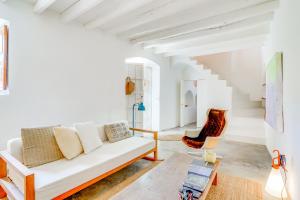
(39, 146)
(117, 131)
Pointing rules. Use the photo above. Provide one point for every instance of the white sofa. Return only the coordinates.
(62, 178)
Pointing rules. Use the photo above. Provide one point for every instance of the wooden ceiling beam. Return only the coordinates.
(78, 9)
(220, 47)
(190, 15)
(210, 23)
(245, 24)
(261, 30)
(149, 12)
(124, 7)
(42, 5)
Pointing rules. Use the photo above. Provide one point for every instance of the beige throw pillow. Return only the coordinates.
(39, 146)
(117, 131)
(68, 142)
(89, 136)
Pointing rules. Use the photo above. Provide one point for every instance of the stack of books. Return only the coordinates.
(196, 180)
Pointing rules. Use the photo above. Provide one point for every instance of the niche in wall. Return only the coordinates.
(188, 107)
(189, 98)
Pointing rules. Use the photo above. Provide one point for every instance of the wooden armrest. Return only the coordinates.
(143, 130)
(155, 137)
(155, 133)
(17, 165)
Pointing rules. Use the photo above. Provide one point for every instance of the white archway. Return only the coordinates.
(148, 72)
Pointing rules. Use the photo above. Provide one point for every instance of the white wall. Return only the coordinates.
(243, 69)
(62, 73)
(285, 33)
(170, 102)
(212, 94)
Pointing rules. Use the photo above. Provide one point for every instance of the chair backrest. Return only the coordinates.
(215, 124)
(212, 142)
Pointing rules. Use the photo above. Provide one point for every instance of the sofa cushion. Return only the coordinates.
(68, 142)
(117, 131)
(101, 132)
(39, 146)
(61, 176)
(89, 136)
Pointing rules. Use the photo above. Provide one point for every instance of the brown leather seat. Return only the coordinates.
(213, 127)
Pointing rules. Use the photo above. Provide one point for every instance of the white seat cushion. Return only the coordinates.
(53, 179)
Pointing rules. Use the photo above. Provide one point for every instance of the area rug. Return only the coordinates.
(235, 188)
(111, 185)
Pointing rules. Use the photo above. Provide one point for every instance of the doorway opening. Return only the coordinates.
(145, 74)
(188, 102)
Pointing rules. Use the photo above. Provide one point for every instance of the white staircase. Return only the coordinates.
(246, 122)
(211, 90)
(201, 72)
(246, 117)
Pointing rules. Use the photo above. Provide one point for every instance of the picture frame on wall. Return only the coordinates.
(274, 93)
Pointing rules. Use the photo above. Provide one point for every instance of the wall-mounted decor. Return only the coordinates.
(274, 93)
(129, 86)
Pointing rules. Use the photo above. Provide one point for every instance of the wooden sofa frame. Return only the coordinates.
(28, 175)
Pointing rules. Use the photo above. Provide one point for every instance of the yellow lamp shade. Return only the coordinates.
(275, 185)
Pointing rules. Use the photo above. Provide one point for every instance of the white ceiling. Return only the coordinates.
(173, 27)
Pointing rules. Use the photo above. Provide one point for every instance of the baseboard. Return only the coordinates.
(246, 139)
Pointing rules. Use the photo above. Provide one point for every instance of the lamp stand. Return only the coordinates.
(133, 116)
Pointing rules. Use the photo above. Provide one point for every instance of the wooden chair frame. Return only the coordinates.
(28, 175)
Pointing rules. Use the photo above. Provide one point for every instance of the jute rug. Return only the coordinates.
(235, 188)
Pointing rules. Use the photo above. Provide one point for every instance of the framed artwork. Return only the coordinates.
(274, 93)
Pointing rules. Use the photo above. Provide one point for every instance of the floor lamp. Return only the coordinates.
(275, 185)
(141, 108)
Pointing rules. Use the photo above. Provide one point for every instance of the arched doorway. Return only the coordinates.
(146, 75)
(188, 102)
